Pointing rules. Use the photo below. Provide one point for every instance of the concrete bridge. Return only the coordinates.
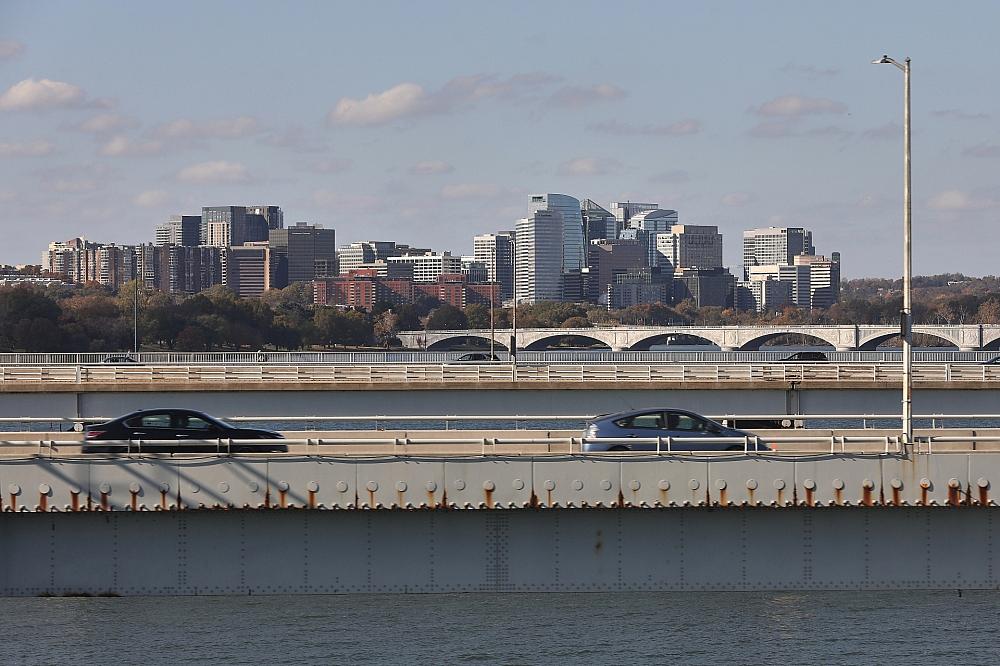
(967, 337)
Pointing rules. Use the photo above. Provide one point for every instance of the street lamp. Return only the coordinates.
(906, 316)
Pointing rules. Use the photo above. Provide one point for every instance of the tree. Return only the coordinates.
(446, 318)
(384, 328)
(477, 315)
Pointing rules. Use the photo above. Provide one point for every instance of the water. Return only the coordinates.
(619, 628)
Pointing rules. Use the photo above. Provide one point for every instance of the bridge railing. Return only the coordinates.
(417, 374)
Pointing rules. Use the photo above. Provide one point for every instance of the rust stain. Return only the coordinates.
(75, 501)
(750, 493)
(43, 502)
(809, 497)
(781, 497)
(371, 499)
(895, 496)
(283, 499)
(534, 500)
(104, 501)
(984, 497)
(135, 500)
(838, 496)
(399, 499)
(163, 500)
(954, 499)
(866, 497)
(548, 498)
(312, 499)
(430, 499)
(722, 498)
(13, 502)
(923, 496)
(663, 497)
(600, 542)
(267, 498)
(489, 498)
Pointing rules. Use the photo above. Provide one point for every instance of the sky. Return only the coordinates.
(429, 122)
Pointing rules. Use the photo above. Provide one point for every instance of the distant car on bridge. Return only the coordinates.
(653, 423)
(181, 430)
(476, 357)
(805, 357)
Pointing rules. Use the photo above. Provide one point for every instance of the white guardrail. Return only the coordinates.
(497, 372)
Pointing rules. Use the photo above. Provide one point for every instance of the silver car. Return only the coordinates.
(612, 432)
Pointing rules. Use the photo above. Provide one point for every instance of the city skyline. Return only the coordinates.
(737, 117)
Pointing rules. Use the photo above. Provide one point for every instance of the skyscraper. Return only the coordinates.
(598, 222)
(652, 222)
(538, 265)
(497, 252)
(774, 245)
(572, 226)
(224, 226)
(624, 210)
(273, 216)
(179, 230)
(302, 252)
(690, 246)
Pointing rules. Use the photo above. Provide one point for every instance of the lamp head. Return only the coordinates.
(884, 60)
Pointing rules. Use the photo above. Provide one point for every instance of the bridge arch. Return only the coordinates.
(548, 341)
(754, 343)
(645, 342)
(872, 343)
(463, 342)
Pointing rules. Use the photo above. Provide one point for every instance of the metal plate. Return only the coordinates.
(488, 483)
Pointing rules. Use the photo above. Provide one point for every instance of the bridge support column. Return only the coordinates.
(845, 348)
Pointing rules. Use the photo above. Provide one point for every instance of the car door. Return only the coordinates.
(195, 434)
(152, 426)
(646, 425)
(685, 425)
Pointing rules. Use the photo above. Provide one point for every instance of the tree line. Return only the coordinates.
(92, 318)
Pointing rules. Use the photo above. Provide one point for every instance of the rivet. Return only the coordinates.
(518, 484)
(634, 484)
(165, 487)
(549, 484)
(896, 483)
(752, 484)
(983, 483)
(74, 490)
(372, 486)
(605, 484)
(312, 486)
(779, 484)
(809, 484)
(283, 486)
(663, 484)
(693, 484)
(489, 485)
(577, 484)
(720, 484)
(195, 488)
(223, 487)
(459, 484)
(252, 486)
(105, 488)
(838, 484)
(401, 486)
(868, 484)
(953, 483)
(925, 483)
(44, 488)
(134, 487)
(341, 487)
(431, 486)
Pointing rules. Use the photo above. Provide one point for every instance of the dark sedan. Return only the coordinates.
(177, 431)
(613, 432)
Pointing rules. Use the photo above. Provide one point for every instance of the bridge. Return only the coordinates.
(967, 337)
(328, 521)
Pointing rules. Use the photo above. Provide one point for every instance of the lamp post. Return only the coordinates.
(906, 316)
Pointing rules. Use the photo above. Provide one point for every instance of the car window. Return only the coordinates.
(193, 423)
(651, 420)
(149, 421)
(685, 422)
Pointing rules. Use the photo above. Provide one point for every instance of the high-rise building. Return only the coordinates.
(223, 226)
(273, 216)
(353, 256)
(796, 275)
(116, 265)
(609, 258)
(302, 253)
(538, 257)
(246, 268)
(573, 250)
(430, 266)
(651, 223)
(763, 295)
(497, 252)
(689, 246)
(76, 258)
(640, 287)
(180, 268)
(624, 210)
(474, 270)
(705, 286)
(179, 230)
(774, 245)
(824, 279)
(598, 222)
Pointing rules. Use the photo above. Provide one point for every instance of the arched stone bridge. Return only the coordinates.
(967, 337)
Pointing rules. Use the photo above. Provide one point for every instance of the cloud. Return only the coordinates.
(400, 101)
(793, 106)
(331, 166)
(960, 200)
(77, 185)
(216, 172)
(958, 114)
(223, 128)
(122, 146)
(792, 126)
(673, 176)
(577, 96)
(983, 150)
(470, 191)
(410, 100)
(32, 95)
(295, 139)
(589, 166)
(679, 128)
(431, 167)
(150, 198)
(75, 179)
(736, 199)
(10, 49)
(36, 148)
(882, 132)
(105, 123)
(810, 71)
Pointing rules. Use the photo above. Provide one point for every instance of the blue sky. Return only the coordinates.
(429, 122)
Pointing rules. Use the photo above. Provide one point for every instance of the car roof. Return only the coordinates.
(634, 412)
